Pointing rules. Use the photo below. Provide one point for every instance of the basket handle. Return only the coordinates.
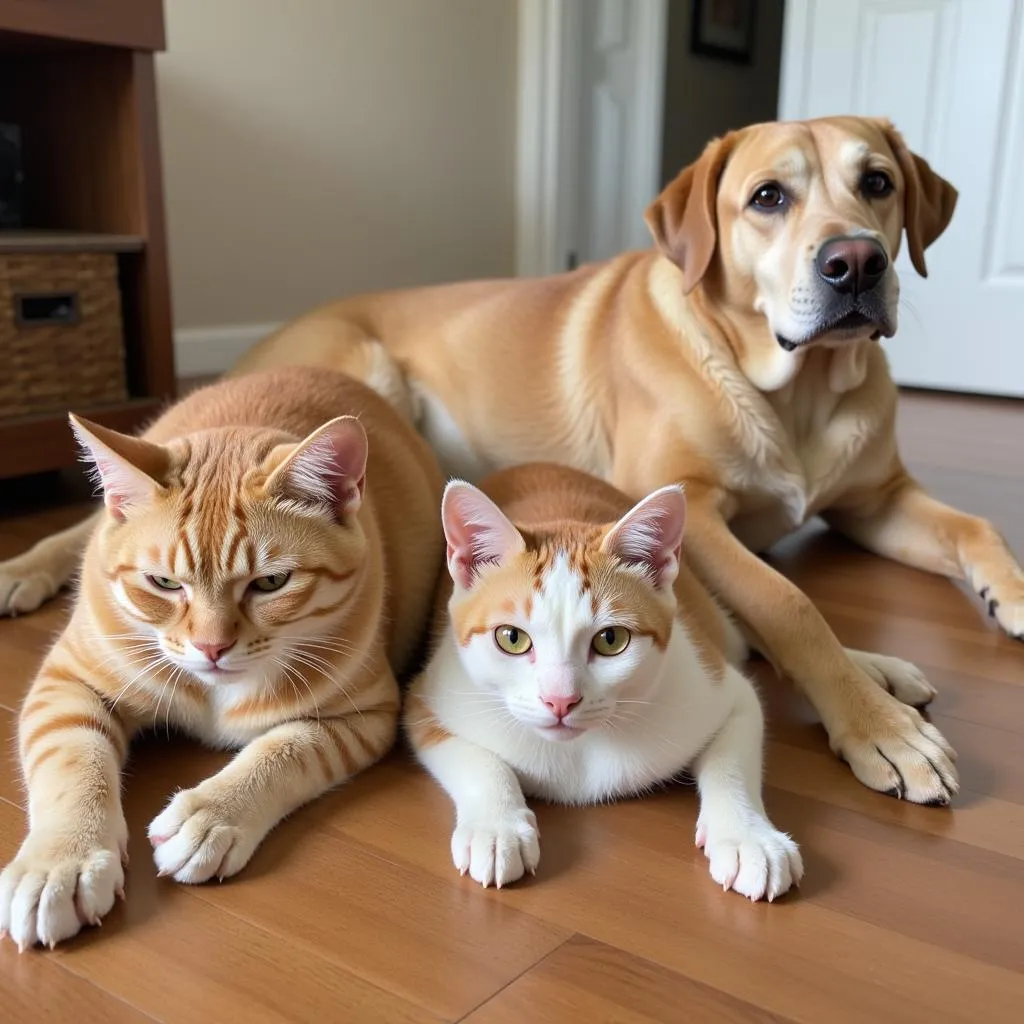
(45, 309)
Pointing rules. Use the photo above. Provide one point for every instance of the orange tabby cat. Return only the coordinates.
(257, 579)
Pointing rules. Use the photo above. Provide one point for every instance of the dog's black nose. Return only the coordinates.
(851, 265)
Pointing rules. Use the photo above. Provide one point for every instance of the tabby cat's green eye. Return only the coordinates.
(512, 639)
(268, 584)
(611, 641)
(164, 582)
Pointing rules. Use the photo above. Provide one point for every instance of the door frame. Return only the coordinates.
(548, 125)
(797, 31)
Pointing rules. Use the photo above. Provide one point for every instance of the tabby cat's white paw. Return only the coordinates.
(197, 837)
(497, 849)
(754, 859)
(49, 892)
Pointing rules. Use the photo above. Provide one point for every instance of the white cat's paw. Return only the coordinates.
(198, 837)
(498, 848)
(50, 892)
(754, 858)
(905, 681)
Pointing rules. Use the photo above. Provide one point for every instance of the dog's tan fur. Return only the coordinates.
(662, 366)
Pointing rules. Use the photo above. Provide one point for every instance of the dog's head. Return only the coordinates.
(800, 223)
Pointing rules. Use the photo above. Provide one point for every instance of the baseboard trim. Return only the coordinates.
(202, 351)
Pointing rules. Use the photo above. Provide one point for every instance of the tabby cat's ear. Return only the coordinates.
(128, 468)
(327, 468)
(477, 531)
(650, 535)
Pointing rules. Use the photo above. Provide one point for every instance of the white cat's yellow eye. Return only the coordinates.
(610, 641)
(512, 639)
(268, 584)
(164, 582)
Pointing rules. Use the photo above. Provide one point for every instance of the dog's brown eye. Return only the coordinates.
(768, 196)
(876, 184)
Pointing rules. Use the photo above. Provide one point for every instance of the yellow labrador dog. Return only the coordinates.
(740, 357)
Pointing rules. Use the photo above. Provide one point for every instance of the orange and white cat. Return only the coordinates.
(261, 572)
(581, 661)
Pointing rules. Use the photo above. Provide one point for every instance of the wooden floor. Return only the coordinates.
(351, 911)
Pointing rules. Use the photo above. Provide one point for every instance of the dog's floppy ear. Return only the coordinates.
(928, 202)
(682, 219)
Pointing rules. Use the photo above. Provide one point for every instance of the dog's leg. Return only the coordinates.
(889, 746)
(34, 577)
(902, 522)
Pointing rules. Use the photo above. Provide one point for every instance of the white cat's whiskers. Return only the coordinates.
(667, 744)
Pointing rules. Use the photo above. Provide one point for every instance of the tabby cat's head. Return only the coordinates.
(224, 546)
(566, 622)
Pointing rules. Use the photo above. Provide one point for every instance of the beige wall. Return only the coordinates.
(705, 96)
(314, 148)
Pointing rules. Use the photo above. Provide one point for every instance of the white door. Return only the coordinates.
(950, 74)
(621, 89)
(591, 86)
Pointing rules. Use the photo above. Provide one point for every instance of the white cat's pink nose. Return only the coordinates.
(214, 650)
(560, 706)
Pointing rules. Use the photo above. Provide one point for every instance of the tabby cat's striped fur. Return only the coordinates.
(252, 588)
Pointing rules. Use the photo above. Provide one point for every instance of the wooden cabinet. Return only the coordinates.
(78, 77)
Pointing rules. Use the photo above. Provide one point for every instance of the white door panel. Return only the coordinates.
(950, 74)
(620, 93)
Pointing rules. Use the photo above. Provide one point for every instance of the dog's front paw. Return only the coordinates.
(906, 682)
(199, 836)
(497, 848)
(51, 890)
(891, 748)
(1005, 604)
(753, 857)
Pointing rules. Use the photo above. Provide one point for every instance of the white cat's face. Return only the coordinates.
(559, 664)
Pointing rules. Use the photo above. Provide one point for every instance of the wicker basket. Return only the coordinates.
(61, 340)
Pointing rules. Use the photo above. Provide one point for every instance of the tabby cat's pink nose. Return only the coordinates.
(214, 650)
(561, 706)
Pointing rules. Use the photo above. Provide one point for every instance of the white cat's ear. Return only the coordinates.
(650, 534)
(477, 531)
(327, 468)
(128, 468)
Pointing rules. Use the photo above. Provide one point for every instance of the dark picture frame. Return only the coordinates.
(724, 29)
